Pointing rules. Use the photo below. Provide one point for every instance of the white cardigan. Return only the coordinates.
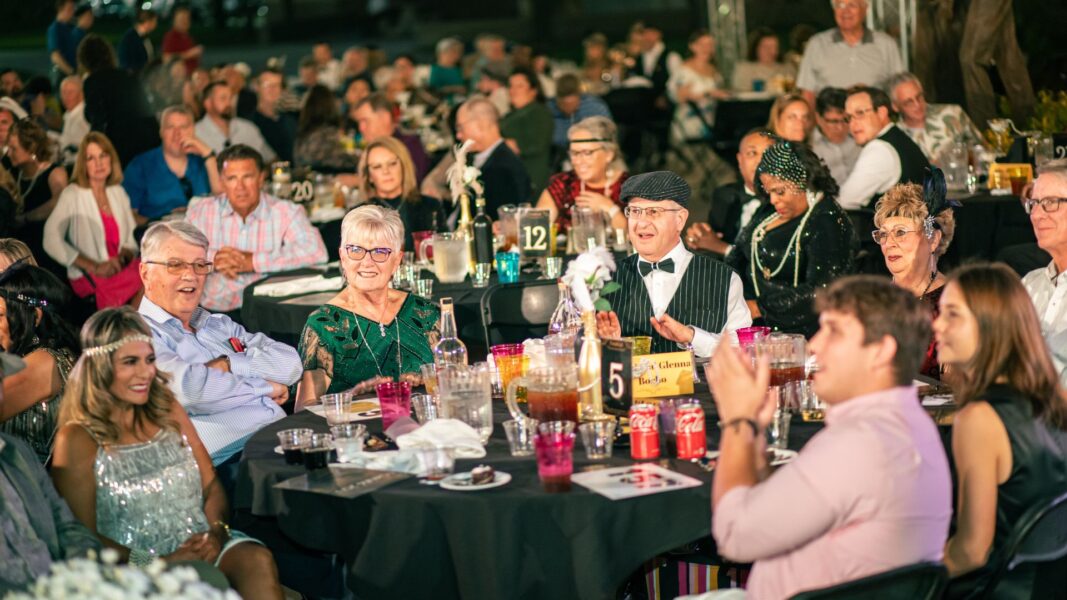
(75, 226)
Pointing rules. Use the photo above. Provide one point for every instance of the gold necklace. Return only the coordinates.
(757, 236)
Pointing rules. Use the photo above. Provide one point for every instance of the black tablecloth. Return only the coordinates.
(414, 541)
(984, 225)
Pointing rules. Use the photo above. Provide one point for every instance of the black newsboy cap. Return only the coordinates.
(657, 185)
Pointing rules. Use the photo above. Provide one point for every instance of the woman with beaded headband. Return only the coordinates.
(806, 243)
(915, 226)
(131, 466)
(32, 327)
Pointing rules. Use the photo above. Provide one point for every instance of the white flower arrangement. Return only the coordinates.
(89, 579)
(589, 276)
(462, 177)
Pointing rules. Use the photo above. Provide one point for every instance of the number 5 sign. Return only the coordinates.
(616, 370)
(534, 229)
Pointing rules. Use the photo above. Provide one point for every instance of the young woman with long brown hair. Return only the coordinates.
(1009, 437)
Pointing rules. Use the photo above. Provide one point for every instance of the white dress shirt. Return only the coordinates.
(242, 131)
(877, 169)
(661, 286)
(75, 127)
(1048, 289)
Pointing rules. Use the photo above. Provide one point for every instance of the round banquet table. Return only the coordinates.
(410, 540)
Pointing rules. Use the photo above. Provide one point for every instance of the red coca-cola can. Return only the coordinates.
(689, 430)
(644, 432)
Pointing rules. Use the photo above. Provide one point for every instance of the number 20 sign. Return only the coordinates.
(534, 231)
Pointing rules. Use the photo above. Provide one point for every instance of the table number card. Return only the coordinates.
(644, 479)
(659, 375)
(616, 375)
(534, 233)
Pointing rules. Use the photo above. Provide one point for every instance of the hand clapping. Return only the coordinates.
(740, 390)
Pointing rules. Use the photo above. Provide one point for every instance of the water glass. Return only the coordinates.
(553, 267)
(409, 258)
(466, 396)
(407, 275)
(521, 435)
(482, 271)
(507, 267)
(429, 378)
(554, 446)
(786, 353)
(337, 407)
(424, 288)
(559, 349)
(395, 400)
(348, 440)
(293, 442)
(425, 406)
(318, 450)
(778, 430)
(598, 437)
(436, 463)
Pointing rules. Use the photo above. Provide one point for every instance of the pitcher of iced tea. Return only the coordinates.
(551, 394)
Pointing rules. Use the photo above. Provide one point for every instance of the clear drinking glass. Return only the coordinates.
(466, 395)
(520, 436)
(424, 288)
(337, 407)
(553, 267)
(436, 463)
(293, 442)
(598, 437)
(348, 440)
(429, 378)
(482, 271)
(318, 450)
(786, 352)
(426, 407)
(559, 349)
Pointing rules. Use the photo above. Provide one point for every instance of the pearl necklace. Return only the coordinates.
(757, 236)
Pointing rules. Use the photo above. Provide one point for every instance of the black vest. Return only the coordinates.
(913, 162)
(699, 301)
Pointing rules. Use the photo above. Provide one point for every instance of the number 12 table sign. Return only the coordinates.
(619, 483)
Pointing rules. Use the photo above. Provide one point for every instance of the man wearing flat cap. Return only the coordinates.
(677, 298)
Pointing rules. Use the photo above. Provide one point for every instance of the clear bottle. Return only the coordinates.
(590, 402)
(449, 350)
(483, 233)
(566, 318)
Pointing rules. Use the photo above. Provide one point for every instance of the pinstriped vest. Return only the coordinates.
(700, 299)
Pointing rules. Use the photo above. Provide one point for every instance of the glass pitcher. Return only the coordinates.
(466, 395)
(587, 228)
(551, 394)
(451, 256)
(509, 224)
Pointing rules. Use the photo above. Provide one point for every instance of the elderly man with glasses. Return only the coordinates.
(848, 54)
(679, 299)
(934, 127)
(251, 232)
(1048, 285)
(230, 381)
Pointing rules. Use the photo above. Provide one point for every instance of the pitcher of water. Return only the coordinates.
(587, 228)
(466, 395)
(509, 224)
(956, 162)
(451, 256)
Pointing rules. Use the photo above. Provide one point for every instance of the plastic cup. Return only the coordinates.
(520, 436)
(424, 288)
(429, 378)
(482, 271)
(337, 407)
(436, 463)
(554, 446)
(395, 400)
(317, 452)
(293, 442)
(597, 438)
(553, 267)
(425, 407)
(348, 440)
(507, 267)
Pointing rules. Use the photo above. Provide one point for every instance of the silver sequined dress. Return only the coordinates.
(148, 495)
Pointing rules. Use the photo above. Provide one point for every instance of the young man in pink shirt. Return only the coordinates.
(869, 493)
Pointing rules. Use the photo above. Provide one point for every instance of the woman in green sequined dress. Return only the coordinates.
(368, 332)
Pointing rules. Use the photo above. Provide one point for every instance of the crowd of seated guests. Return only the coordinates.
(145, 184)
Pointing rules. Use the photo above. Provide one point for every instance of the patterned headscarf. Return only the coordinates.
(782, 162)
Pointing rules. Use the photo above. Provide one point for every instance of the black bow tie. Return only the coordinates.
(646, 267)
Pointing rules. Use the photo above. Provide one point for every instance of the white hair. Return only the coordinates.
(372, 220)
(447, 44)
(164, 230)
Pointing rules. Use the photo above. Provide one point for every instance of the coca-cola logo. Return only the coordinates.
(689, 422)
(643, 422)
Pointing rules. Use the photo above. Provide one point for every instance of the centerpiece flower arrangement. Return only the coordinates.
(87, 578)
(462, 177)
(589, 277)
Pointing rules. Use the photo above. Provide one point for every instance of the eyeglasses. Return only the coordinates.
(1049, 205)
(898, 235)
(910, 102)
(835, 122)
(378, 255)
(177, 267)
(843, 4)
(636, 212)
(583, 154)
(859, 114)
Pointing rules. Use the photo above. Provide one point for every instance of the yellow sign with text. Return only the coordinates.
(658, 375)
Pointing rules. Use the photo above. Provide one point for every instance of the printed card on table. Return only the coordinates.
(619, 483)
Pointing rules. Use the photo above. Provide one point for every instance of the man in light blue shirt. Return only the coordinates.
(230, 381)
(571, 105)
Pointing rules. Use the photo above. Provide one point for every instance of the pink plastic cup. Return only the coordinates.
(554, 446)
(395, 399)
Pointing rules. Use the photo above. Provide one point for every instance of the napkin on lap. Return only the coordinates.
(444, 433)
(300, 285)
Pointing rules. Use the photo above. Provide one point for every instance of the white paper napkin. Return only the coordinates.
(300, 285)
(444, 433)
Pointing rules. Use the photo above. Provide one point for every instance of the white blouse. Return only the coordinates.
(75, 226)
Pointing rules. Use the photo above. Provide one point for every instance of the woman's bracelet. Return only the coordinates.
(734, 423)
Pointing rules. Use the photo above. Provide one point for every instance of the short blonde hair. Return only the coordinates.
(13, 250)
(81, 175)
(905, 200)
(604, 129)
(375, 221)
(409, 190)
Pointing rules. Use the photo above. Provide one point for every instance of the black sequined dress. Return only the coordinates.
(785, 296)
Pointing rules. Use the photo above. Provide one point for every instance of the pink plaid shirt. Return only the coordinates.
(277, 233)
